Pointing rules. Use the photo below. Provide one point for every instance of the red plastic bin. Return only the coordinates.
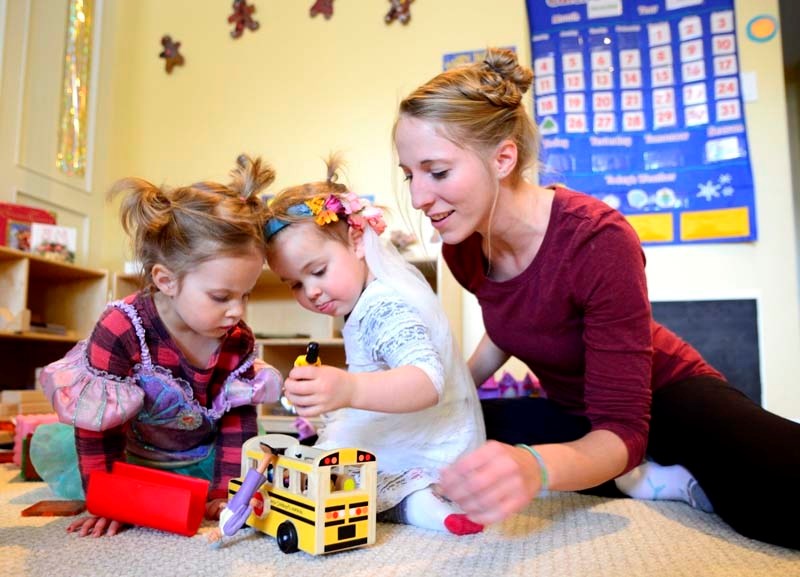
(148, 498)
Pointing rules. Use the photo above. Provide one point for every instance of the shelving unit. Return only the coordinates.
(55, 293)
(123, 284)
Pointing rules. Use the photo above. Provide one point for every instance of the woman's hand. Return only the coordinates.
(492, 482)
(95, 526)
(314, 390)
(214, 507)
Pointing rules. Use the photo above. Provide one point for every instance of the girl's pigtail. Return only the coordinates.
(335, 164)
(251, 176)
(144, 207)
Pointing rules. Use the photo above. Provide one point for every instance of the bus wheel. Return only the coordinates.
(287, 537)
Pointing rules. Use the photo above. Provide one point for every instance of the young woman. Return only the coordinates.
(560, 279)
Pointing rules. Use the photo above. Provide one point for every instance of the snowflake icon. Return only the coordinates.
(708, 190)
(728, 191)
(725, 178)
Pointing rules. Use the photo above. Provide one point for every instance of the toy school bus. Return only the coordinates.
(317, 500)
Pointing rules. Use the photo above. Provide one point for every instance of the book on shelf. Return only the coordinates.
(16, 221)
(54, 242)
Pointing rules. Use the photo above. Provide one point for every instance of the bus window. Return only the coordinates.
(284, 474)
(295, 481)
(345, 478)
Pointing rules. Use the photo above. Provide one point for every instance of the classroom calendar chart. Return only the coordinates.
(639, 103)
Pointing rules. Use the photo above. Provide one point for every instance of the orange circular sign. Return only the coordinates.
(762, 28)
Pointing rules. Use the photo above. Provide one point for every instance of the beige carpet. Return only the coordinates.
(565, 534)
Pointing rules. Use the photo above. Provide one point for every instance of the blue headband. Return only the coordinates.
(275, 225)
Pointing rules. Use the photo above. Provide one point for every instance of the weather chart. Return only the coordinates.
(639, 103)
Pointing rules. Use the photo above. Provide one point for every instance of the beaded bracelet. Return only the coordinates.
(540, 460)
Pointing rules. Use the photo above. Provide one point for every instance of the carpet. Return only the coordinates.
(564, 534)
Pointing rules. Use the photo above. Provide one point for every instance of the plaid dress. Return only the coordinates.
(114, 348)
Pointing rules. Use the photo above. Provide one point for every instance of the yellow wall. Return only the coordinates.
(293, 91)
(300, 87)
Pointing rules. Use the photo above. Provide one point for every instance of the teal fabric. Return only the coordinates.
(54, 457)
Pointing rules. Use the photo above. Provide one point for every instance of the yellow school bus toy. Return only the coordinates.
(317, 500)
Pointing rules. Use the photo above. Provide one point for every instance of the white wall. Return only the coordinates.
(766, 269)
(792, 77)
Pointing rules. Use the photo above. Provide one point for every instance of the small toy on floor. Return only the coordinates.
(148, 498)
(310, 499)
(238, 510)
(55, 508)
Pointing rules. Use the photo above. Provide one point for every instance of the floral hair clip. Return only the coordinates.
(359, 212)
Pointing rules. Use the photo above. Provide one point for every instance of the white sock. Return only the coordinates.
(428, 510)
(651, 481)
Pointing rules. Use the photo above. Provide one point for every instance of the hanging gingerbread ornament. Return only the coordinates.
(324, 7)
(242, 17)
(171, 53)
(400, 10)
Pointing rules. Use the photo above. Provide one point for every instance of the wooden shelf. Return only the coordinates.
(282, 353)
(70, 337)
(124, 284)
(300, 342)
(54, 292)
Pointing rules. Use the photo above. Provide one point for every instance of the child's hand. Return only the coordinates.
(314, 390)
(214, 507)
(95, 526)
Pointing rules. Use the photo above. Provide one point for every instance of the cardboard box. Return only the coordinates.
(15, 224)
(22, 396)
(9, 409)
(35, 408)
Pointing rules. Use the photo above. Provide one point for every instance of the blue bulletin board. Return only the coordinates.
(640, 104)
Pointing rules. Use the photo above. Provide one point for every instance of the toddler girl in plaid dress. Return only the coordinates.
(169, 377)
